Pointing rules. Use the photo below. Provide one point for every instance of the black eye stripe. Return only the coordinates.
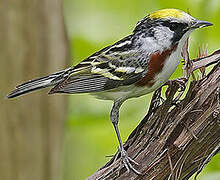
(175, 26)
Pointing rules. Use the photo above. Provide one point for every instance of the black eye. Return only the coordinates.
(174, 26)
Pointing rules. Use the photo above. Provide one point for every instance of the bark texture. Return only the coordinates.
(177, 137)
(33, 43)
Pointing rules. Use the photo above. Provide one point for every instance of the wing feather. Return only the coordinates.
(112, 67)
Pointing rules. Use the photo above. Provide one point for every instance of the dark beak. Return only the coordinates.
(200, 24)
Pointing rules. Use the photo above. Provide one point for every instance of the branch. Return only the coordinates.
(175, 140)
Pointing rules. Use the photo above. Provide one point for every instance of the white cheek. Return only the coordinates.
(163, 36)
(162, 40)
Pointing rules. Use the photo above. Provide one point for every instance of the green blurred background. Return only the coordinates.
(93, 24)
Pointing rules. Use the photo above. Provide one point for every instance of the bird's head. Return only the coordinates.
(168, 25)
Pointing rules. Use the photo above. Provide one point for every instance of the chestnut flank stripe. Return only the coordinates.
(155, 66)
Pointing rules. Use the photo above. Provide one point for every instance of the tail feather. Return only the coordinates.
(39, 83)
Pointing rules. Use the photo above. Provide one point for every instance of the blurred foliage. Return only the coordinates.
(92, 25)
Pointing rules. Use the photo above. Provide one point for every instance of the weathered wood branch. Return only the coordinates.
(175, 139)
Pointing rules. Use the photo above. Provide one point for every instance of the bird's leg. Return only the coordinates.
(126, 160)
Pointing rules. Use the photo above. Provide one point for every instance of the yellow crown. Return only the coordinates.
(167, 13)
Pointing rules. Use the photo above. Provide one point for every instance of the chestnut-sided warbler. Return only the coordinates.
(134, 66)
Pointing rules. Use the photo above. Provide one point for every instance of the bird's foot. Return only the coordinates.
(181, 82)
(126, 160)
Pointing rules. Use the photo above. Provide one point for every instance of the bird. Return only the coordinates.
(136, 65)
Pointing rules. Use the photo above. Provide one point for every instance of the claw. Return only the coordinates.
(181, 83)
(126, 160)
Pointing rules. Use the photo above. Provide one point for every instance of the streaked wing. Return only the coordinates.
(111, 67)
